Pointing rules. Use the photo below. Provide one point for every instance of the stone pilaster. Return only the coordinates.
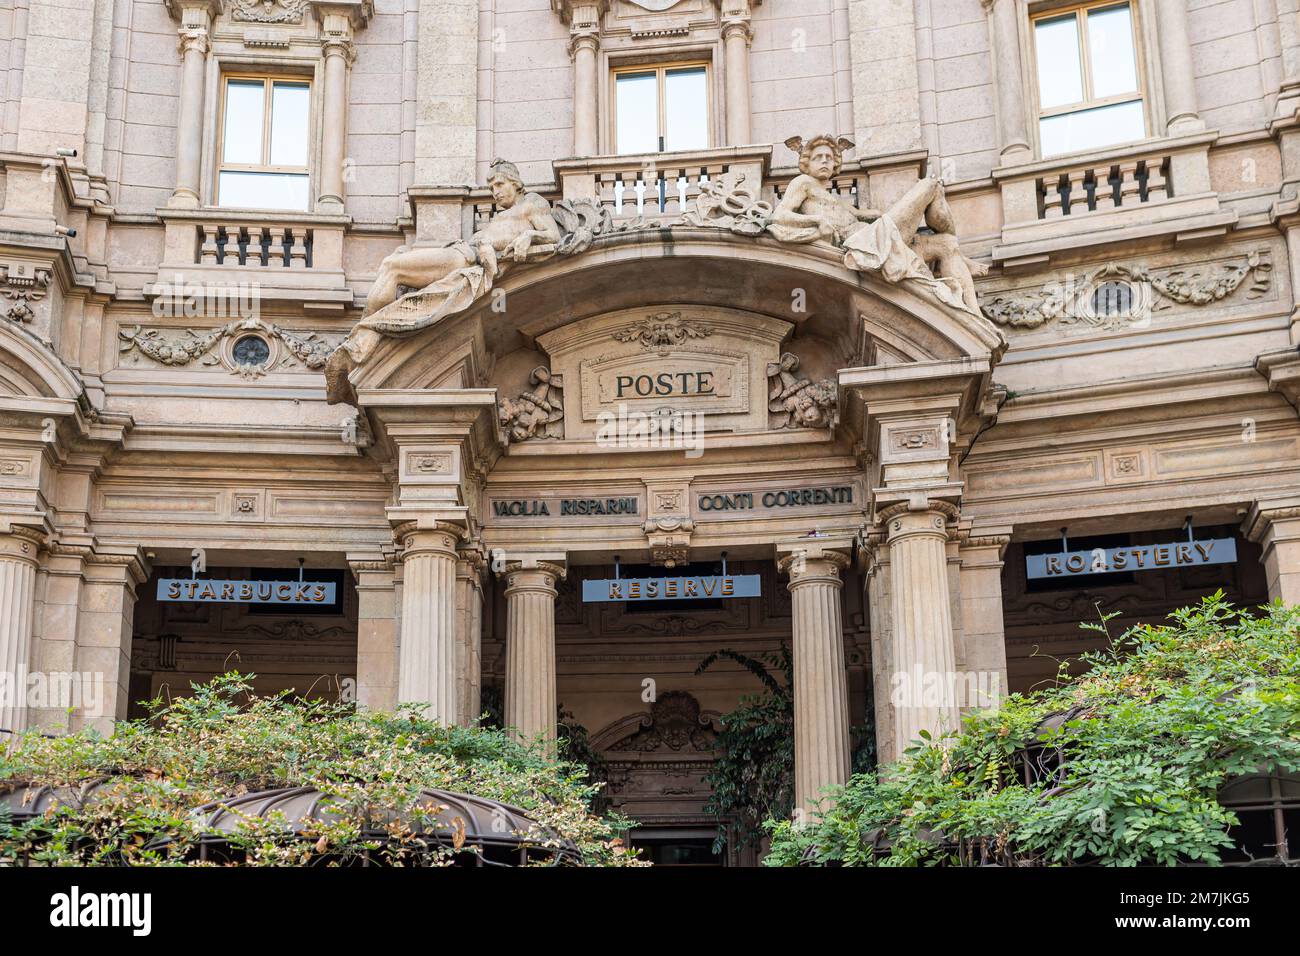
(530, 645)
(338, 21)
(821, 700)
(924, 664)
(426, 672)
(1275, 526)
(105, 626)
(446, 117)
(982, 650)
(469, 634)
(378, 635)
(18, 562)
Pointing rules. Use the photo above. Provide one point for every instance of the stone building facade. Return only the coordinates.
(671, 354)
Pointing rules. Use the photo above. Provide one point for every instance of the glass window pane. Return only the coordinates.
(1110, 50)
(686, 93)
(289, 108)
(1086, 129)
(243, 130)
(240, 190)
(1060, 73)
(637, 119)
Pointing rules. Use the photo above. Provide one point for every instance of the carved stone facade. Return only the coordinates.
(462, 388)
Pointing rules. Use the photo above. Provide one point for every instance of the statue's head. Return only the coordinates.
(821, 156)
(505, 182)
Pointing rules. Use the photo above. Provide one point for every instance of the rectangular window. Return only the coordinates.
(263, 143)
(661, 109)
(1089, 80)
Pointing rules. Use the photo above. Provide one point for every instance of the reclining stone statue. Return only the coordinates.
(891, 242)
(451, 275)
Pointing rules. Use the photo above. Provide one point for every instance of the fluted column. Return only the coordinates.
(427, 658)
(821, 699)
(530, 647)
(1013, 133)
(18, 549)
(923, 659)
(736, 37)
(1181, 114)
(189, 122)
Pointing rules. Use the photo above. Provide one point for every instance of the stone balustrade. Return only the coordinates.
(255, 244)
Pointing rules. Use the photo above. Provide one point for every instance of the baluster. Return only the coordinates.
(668, 191)
(1130, 187)
(1079, 201)
(275, 248)
(233, 247)
(1157, 185)
(298, 253)
(609, 192)
(1053, 198)
(208, 250)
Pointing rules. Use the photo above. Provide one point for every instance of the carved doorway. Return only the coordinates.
(658, 760)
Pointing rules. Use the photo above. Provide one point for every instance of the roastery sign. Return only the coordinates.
(1144, 557)
(671, 589)
(204, 591)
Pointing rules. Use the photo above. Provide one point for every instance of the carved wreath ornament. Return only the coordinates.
(308, 348)
(268, 11)
(1070, 302)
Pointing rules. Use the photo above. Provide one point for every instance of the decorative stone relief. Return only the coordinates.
(675, 723)
(268, 11)
(308, 348)
(23, 285)
(795, 400)
(1071, 303)
(727, 203)
(662, 331)
(538, 413)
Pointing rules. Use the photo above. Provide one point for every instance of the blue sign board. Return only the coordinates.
(204, 591)
(1143, 557)
(671, 589)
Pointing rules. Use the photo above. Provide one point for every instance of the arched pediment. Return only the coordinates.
(30, 370)
(807, 286)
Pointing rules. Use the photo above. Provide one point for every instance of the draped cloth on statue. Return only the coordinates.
(879, 247)
(418, 310)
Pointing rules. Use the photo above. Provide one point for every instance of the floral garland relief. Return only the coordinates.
(1069, 302)
(307, 348)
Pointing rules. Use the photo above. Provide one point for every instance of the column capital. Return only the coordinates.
(810, 560)
(195, 11)
(587, 40)
(1263, 514)
(583, 12)
(428, 536)
(192, 40)
(341, 17)
(542, 570)
(335, 45)
(18, 543)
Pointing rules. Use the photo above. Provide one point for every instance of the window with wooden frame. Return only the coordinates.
(661, 109)
(263, 140)
(1089, 77)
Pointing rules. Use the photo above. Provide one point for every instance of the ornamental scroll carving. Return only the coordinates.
(795, 400)
(1070, 303)
(538, 413)
(663, 330)
(309, 348)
